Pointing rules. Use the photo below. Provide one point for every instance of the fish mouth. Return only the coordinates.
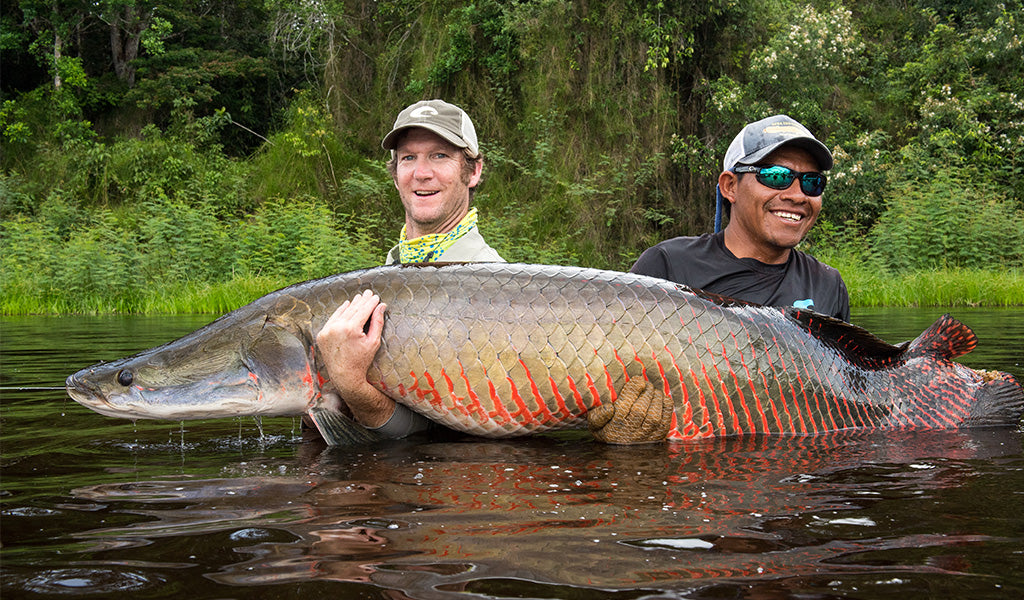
(90, 397)
(188, 402)
(80, 392)
(85, 393)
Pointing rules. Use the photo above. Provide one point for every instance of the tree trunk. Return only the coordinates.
(126, 29)
(58, 45)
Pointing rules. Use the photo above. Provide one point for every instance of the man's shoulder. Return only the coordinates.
(688, 243)
(806, 262)
(689, 260)
(685, 247)
(471, 247)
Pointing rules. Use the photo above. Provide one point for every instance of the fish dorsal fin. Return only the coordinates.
(432, 264)
(724, 301)
(946, 339)
(860, 346)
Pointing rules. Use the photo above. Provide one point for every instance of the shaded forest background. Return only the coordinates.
(209, 151)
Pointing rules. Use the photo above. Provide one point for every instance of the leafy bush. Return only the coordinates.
(603, 126)
(948, 220)
(301, 238)
(120, 260)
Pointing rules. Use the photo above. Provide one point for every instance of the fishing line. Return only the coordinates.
(27, 389)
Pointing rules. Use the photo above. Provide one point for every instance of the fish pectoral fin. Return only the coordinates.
(291, 313)
(641, 414)
(277, 355)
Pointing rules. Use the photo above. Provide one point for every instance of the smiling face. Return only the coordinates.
(432, 182)
(765, 223)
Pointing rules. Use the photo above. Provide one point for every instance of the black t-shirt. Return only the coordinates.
(706, 264)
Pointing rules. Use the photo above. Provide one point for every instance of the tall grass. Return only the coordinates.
(169, 256)
(870, 285)
(209, 298)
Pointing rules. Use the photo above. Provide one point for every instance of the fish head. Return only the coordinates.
(223, 370)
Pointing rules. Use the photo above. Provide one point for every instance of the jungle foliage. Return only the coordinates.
(150, 148)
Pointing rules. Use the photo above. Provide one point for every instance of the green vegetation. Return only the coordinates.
(192, 155)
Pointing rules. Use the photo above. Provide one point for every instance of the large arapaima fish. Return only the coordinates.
(501, 350)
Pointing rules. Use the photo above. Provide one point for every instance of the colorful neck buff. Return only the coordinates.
(428, 247)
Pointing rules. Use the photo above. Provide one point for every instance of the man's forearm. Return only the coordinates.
(370, 407)
(375, 411)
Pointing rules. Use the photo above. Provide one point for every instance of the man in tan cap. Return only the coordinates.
(436, 165)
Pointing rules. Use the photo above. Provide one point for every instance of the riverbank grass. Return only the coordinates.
(171, 299)
(868, 288)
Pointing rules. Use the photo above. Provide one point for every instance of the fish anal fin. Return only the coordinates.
(338, 429)
(946, 339)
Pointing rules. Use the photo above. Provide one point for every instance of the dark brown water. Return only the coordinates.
(101, 508)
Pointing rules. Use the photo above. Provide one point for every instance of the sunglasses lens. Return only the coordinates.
(812, 184)
(778, 178)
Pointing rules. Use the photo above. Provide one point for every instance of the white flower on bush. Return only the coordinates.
(813, 40)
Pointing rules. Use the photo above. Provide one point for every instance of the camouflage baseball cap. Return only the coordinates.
(446, 120)
(759, 139)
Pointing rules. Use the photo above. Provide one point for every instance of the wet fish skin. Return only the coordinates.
(501, 350)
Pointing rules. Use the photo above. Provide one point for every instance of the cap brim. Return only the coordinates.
(818, 150)
(391, 139)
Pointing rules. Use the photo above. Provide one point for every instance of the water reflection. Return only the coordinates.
(427, 517)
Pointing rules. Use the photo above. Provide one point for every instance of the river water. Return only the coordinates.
(96, 507)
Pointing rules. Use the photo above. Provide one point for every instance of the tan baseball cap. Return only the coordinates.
(446, 120)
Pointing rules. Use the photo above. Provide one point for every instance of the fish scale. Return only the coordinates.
(501, 350)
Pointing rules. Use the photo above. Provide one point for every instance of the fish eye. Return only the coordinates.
(125, 377)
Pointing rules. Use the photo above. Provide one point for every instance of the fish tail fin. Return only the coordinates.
(338, 429)
(947, 338)
(999, 401)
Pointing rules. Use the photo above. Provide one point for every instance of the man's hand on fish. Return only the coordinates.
(347, 346)
(641, 414)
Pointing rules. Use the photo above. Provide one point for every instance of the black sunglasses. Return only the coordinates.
(778, 177)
